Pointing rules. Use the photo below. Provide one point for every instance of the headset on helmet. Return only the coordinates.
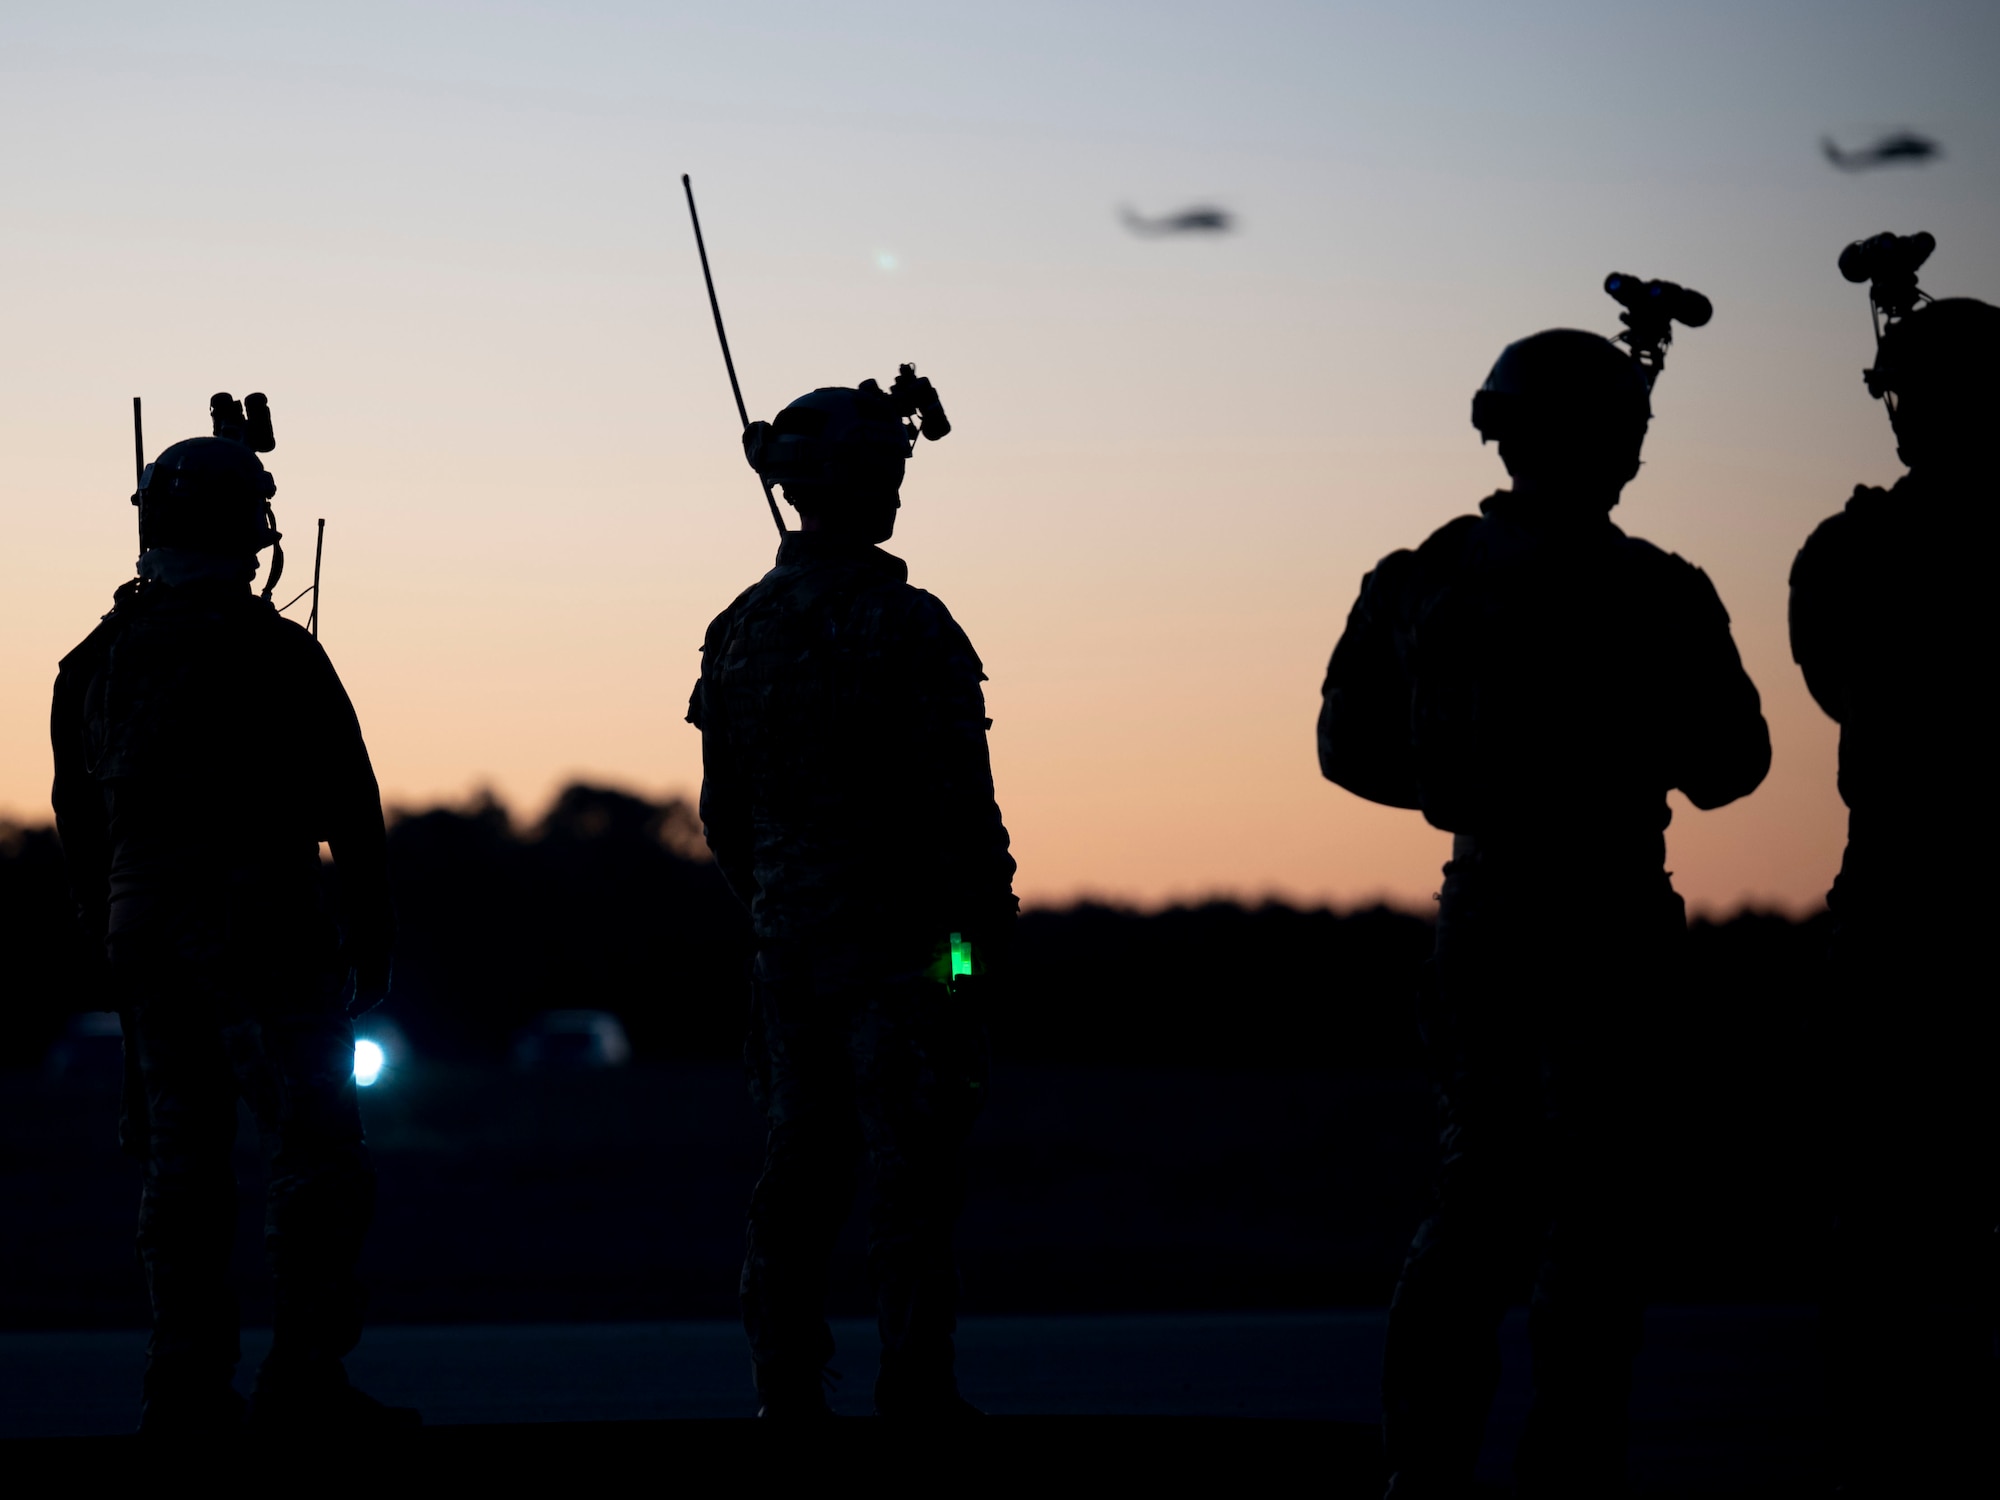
(213, 494)
(844, 437)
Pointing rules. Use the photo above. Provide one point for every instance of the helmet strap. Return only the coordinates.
(277, 552)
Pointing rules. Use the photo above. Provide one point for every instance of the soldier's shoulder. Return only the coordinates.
(86, 653)
(286, 639)
(1837, 540)
(1445, 545)
(1870, 502)
(1657, 559)
(722, 623)
(1435, 560)
(296, 636)
(1442, 550)
(903, 611)
(1868, 507)
(1683, 578)
(719, 626)
(912, 602)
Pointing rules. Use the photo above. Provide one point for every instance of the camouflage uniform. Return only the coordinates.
(848, 798)
(204, 748)
(1536, 682)
(1892, 622)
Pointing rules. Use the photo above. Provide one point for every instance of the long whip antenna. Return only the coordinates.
(138, 445)
(319, 546)
(715, 307)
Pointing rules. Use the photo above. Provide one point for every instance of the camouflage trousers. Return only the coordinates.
(1908, 1318)
(845, 1062)
(1531, 1022)
(195, 1045)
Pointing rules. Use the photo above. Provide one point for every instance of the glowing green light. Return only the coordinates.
(961, 956)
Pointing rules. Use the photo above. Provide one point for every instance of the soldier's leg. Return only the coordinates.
(1441, 1365)
(187, 1206)
(802, 1076)
(923, 1069)
(1585, 1320)
(295, 1066)
(1622, 969)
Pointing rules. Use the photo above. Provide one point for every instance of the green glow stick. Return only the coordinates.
(961, 956)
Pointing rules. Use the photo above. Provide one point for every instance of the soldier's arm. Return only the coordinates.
(1364, 716)
(725, 811)
(976, 849)
(348, 808)
(1818, 617)
(1722, 745)
(81, 823)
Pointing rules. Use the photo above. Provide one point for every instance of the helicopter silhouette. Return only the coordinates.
(1897, 146)
(1203, 218)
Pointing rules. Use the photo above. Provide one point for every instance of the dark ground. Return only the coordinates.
(620, 1195)
(1144, 1241)
(1722, 1405)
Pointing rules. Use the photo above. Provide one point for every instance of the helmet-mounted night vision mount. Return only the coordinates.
(1651, 310)
(1889, 264)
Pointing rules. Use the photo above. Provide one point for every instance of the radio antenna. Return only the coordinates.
(319, 546)
(715, 307)
(138, 445)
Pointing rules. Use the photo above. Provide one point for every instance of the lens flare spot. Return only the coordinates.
(886, 259)
(368, 1062)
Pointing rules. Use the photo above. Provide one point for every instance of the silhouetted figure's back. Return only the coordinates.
(204, 749)
(848, 798)
(1536, 679)
(1536, 682)
(848, 790)
(1893, 624)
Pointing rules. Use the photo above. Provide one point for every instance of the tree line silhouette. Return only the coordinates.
(609, 902)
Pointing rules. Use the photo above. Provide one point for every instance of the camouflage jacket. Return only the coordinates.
(204, 749)
(846, 788)
(1540, 680)
(1892, 622)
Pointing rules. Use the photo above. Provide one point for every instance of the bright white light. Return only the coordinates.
(886, 261)
(368, 1061)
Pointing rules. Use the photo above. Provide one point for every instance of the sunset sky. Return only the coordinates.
(448, 240)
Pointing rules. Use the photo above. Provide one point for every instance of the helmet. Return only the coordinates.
(208, 494)
(1949, 342)
(837, 437)
(1562, 378)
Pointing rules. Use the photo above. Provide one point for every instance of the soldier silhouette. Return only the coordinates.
(204, 749)
(1892, 623)
(848, 798)
(1536, 681)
